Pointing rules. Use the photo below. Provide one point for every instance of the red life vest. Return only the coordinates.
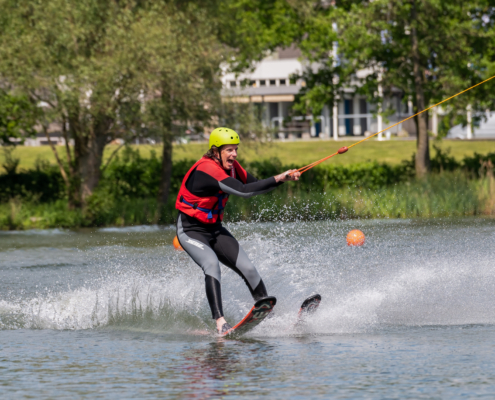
(204, 208)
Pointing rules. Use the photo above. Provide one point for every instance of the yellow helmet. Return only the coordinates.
(221, 136)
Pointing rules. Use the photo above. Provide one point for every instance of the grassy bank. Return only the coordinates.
(298, 153)
(446, 194)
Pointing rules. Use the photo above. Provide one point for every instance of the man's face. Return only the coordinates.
(228, 156)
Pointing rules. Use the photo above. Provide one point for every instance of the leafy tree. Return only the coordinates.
(75, 59)
(182, 79)
(429, 49)
(17, 118)
(253, 28)
(127, 69)
(214, 35)
(102, 70)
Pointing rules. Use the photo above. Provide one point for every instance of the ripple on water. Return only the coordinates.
(119, 313)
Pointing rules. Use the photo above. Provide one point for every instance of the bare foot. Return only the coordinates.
(220, 322)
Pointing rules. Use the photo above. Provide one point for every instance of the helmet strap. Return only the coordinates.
(219, 157)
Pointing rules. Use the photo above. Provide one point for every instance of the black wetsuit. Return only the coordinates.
(207, 244)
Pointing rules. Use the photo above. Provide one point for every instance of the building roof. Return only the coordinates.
(269, 69)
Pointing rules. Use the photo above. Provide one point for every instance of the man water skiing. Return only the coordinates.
(201, 200)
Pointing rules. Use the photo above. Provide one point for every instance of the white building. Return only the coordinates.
(485, 130)
(270, 87)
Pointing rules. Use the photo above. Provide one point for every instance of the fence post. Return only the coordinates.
(469, 128)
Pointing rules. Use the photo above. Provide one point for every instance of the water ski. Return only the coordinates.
(309, 306)
(258, 313)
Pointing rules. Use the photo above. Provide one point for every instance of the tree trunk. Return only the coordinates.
(166, 172)
(89, 165)
(422, 163)
(88, 151)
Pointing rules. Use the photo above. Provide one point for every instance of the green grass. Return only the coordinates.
(21, 215)
(298, 152)
(441, 195)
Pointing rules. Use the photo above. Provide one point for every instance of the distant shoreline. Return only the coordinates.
(444, 195)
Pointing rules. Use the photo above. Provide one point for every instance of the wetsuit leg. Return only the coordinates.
(231, 254)
(197, 245)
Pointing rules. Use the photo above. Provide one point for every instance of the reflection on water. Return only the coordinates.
(427, 362)
(119, 313)
(219, 363)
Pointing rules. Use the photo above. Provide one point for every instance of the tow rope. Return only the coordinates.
(344, 149)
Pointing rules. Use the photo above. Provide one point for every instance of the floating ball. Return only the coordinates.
(355, 238)
(177, 244)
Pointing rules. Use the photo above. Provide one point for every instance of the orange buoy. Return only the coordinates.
(177, 244)
(355, 238)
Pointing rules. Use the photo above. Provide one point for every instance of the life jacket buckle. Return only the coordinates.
(195, 206)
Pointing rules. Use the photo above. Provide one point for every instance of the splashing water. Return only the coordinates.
(409, 273)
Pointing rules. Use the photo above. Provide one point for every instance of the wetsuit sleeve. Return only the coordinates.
(250, 178)
(201, 183)
(233, 186)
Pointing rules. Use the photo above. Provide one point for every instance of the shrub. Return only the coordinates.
(44, 184)
(130, 176)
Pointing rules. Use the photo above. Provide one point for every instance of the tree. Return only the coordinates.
(254, 28)
(429, 49)
(214, 36)
(207, 37)
(183, 80)
(75, 60)
(17, 118)
(104, 70)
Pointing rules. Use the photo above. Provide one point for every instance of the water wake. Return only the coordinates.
(413, 280)
(131, 302)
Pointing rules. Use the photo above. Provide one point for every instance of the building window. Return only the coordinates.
(262, 82)
(252, 83)
(282, 82)
(349, 122)
(233, 83)
(363, 109)
(273, 82)
(273, 110)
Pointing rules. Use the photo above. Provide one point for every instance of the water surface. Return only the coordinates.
(118, 313)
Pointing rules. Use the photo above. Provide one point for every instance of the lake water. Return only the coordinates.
(118, 313)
